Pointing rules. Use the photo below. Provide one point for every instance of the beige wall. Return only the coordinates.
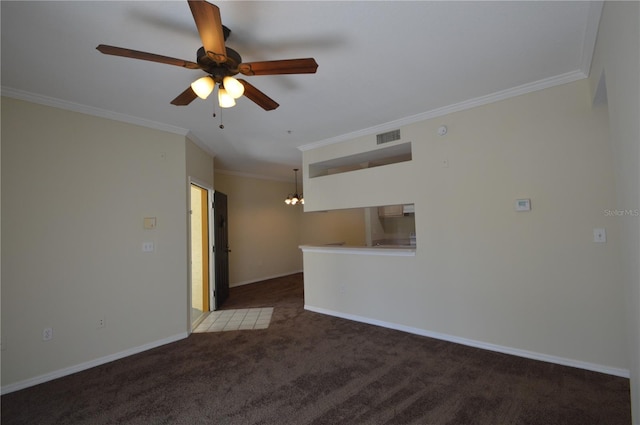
(617, 57)
(199, 164)
(330, 227)
(196, 250)
(263, 230)
(533, 283)
(75, 190)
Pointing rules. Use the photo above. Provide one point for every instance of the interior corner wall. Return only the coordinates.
(199, 164)
(617, 57)
(533, 283)
(263, 230)
(75, 190)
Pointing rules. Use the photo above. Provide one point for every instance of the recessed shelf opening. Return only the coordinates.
(375, 158)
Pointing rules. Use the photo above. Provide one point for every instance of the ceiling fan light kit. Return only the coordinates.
(220, 62)
(203, 86)
(233, 87)
(225, 100)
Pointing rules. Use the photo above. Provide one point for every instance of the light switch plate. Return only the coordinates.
(147, 246)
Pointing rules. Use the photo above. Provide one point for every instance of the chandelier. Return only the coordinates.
(295, 199)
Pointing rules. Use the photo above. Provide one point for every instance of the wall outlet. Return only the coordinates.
(102, 322)
(47, 334)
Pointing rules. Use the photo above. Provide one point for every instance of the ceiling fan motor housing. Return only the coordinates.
(219, 70)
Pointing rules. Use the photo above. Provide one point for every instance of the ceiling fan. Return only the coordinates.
(220, 63)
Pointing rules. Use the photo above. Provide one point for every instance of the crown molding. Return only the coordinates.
(251, 176)
(588, 46)
(456, 107)
(90, 110)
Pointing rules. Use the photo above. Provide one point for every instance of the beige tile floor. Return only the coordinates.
(234, 320)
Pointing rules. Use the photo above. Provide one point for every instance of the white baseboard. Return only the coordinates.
(88, 365)
(624, 373)
(260, 279)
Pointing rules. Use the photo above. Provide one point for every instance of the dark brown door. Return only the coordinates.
(221, 248)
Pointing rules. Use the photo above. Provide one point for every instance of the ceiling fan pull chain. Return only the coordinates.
(214, 114)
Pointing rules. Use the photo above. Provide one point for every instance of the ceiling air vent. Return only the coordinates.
(387, 137)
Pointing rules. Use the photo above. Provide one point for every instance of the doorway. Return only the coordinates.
(200, 263)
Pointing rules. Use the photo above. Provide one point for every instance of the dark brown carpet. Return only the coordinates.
(308, 368)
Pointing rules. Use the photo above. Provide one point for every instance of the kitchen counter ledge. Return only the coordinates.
(387, 250)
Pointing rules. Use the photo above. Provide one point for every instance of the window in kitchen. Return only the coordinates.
(390, 225)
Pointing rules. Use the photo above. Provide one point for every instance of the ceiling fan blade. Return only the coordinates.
(287, 66)
(135, 54)
(261, 99)
(209, 24)
(185, 98)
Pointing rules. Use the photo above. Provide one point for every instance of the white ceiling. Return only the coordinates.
(381, 64)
